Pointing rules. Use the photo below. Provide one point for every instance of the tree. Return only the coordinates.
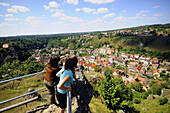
(138, 87)
(155, 87)
(132, 85)
(107, 73)
(97, 69)
(115, 94)
(113, 65)
(71, 45)
(163, 101)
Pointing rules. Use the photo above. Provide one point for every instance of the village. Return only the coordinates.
(130, 67)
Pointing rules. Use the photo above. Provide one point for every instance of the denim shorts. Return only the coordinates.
(62, 99)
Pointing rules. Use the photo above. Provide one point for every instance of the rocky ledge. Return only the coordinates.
(81, 94)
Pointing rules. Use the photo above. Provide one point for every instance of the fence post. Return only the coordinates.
(69, 109)
(70, 102)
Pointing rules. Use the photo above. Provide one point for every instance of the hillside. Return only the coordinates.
(151, 43)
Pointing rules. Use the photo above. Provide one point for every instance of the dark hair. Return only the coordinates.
(53, 62)
(71, 63)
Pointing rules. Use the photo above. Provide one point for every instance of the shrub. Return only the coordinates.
(145, 95)
(163, 101)
(137, 101)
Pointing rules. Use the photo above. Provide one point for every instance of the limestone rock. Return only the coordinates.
(166, 93)
(146, 109)
(150, 97)
(52, 109)
(82, 91)
(121, 111)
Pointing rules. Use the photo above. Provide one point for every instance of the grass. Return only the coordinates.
(97, 107)
(36, 82)
(153, 108)
(156, 45)
(6, 92)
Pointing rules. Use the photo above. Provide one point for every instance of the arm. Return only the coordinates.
(58, 73)
(61, 84)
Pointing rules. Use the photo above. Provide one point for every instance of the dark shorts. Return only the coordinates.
(62, 99)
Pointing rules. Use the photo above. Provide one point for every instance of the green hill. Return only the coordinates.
(152, 43)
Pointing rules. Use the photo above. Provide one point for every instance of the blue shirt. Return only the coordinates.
(65, 73)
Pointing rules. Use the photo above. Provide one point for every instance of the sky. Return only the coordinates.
(30, 17)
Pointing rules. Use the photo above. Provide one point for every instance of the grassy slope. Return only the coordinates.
(35, 82)
(156, 45)
(97, 107)
(153, 108)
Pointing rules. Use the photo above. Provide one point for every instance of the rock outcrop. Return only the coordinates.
(81, 95)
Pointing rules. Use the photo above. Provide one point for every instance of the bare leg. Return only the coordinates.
(62, 110)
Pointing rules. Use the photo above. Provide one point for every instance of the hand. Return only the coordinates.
(69, 88)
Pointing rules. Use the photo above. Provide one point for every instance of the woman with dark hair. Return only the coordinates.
(51, 79)
(65, 79)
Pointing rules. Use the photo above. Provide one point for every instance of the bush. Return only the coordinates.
(137, 101)
(163, 101)
(115, 93)
(145, 95)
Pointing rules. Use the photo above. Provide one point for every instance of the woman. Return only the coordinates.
(65, 79)
(51, 79)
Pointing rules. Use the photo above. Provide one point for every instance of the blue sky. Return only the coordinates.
(27, 17)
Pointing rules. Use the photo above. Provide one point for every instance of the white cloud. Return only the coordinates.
(101, 10)
(155, 6)
(16, 9)
(9, 15)
(96, 24)
(77, 9)
(132, 18)
(157, 15)
(120, 18)
(99, 1)
(59, 22)
(109, 15)
(32, 20)
(11, 19)
(59, 10)
(54, 4)
(88, 10)
(141, 13)
(124, 11)
(4, 4)
(71, 19)
(52, 10)
(151, 18)
(58, 14)
(67, 18)
(46, 7)
(96, 21)
(1, 15)
(75, 2)
(4, 24)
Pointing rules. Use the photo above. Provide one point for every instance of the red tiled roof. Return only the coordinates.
(86, 56)
(159, 82)
(127, 82)
(155, 71)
